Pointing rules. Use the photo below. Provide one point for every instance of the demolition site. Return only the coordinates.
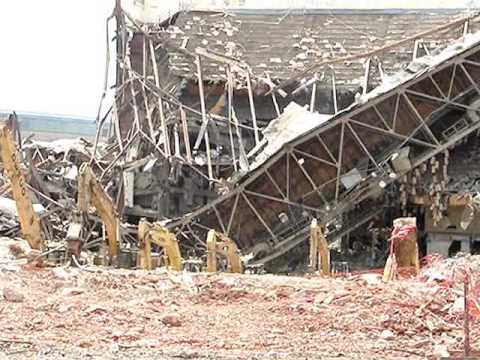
(297, 183)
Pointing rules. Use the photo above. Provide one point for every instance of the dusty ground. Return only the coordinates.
(117, 314)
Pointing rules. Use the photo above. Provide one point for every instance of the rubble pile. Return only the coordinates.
(50, 170)
(242, 316)
(451, 271)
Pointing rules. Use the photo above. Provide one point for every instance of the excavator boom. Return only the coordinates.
(29, 220)
(91, 193)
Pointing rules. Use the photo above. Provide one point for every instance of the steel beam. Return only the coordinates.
(339, 161)
(272, 234)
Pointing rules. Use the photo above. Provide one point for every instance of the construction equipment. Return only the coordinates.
(155, 233)
(29, 220)
(319, 252)
(220, 244)
(90, 192)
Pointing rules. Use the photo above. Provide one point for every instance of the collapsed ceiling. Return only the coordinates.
(210, 138)
(335, 164)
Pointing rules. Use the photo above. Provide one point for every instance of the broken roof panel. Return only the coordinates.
(285, 43)
(299, 177)
(295, 121)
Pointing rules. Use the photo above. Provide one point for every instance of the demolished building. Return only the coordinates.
(254, 122)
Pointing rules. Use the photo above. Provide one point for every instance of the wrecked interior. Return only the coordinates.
(256, 137)
(255, 123)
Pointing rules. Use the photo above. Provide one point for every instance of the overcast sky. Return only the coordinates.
(53, 55)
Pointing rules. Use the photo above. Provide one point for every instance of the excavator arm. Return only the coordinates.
(149, 233)
(218, 243)
(91, 193)
(29, 220)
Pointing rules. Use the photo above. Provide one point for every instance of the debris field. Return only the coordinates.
(198, 315)
(211, 168)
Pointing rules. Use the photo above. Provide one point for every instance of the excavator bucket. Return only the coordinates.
(149, 233)
(218, 243)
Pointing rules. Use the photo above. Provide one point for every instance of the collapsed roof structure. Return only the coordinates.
(254, 122)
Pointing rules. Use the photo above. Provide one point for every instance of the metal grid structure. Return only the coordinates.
(267, 210)
(417, 113)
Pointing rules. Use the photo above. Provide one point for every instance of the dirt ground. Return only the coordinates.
(118, 314)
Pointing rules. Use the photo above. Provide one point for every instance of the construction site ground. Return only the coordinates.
(73, 313)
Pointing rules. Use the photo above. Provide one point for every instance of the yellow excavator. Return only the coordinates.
(91, 193)
(319, 252)
(29, 220)
(220, 244)
(155, 233)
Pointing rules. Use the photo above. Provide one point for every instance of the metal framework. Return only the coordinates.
(268, 211)
(414, 114)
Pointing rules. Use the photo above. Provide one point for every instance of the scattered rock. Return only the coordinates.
(171, 320)
(151, 279)
(228, 282)
(271, 295)
(63, 308)
(441, 351)
(387, 335)
(96, 309)
(10, 267)
(371, 279)
(12, 248)
(72, 291)
(13, 295)
(320, 298)
(458, 305)
(61, 274)
(328, 300)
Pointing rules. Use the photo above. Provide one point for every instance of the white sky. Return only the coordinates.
(53, 55)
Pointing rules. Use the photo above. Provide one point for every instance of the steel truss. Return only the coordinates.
(410, 114)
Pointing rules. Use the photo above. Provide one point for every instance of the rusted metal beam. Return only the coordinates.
(339, 161)
(421, 119)
(252, 109)
(163, 123)
(259, 217)
(204, 117)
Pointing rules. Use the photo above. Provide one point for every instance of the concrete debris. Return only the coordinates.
(387, 335)
(441, 351)
(63, 273)
(72, 291)
(11, 249)
(171, 320)
(409, 318)
(12, 295)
